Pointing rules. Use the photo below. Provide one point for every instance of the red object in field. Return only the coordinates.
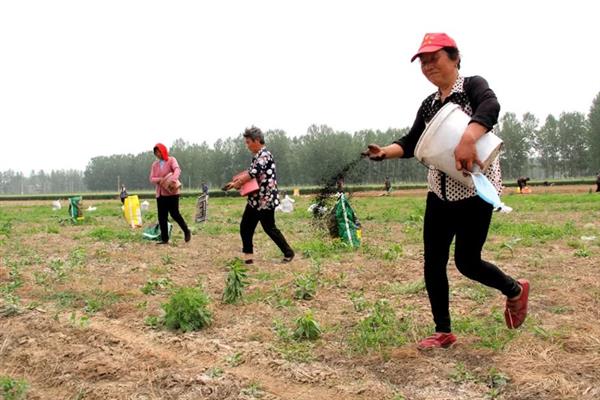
(248, 187)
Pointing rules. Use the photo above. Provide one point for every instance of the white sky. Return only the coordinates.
(80, 79)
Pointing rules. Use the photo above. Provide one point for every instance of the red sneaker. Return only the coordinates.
(437, 340)
(516, 310)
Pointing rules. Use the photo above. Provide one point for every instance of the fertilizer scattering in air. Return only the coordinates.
(325, 197)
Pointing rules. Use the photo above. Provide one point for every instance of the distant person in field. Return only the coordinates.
(453, 210)
(598, 182)
(164, 174)
(123, 195)
(262, 203)
(522, 183)
(339, 183)
(387, 185)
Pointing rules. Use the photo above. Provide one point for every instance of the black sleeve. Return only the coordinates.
(409, 141)
(483, 101)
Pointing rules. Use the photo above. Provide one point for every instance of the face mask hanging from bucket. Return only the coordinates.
(488, 193)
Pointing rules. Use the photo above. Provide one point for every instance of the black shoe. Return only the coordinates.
(161, 242)
(249, 261)
(188, 236)
(289, 258)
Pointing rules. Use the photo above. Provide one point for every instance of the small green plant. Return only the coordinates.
(491, 330)
(142, 305)
(57, 266)
(187, 310)
(393, 253)
(214, 372)
(77, 258)
(407, 288)
(496, 381)
(153, 286)
(5, 228)
(10, 307)
(305, 287)
(307, 328)
(281, 330)
(254, 390)
(152, 321)
(105, 234)
(380, 329)
(13, 389)
(235, 359)
(583, 252)
(510, 245)
(98, 300)
(40, 278)
(167, 259)
(358, 301)
(460, 374)
(80, 322)
(15, 280)
(237, 279)
(52, 229)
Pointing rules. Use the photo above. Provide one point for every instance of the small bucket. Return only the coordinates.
(249, 187)
(436, 145)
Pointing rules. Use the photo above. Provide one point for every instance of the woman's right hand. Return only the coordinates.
(374, 152)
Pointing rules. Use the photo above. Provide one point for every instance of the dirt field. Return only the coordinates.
(75, 323)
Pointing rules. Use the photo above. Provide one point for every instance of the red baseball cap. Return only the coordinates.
(433, 42)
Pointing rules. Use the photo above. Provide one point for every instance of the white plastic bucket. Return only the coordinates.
(436, 145)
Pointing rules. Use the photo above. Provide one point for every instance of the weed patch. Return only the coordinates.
(187, 310)
(13, 389)
(379, 330)
(237, 279)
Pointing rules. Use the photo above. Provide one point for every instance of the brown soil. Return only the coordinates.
(114, 355)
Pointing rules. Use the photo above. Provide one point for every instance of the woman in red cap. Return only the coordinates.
(165, 175)
(453, 209)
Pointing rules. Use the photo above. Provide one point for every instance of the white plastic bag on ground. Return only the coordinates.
(56, 205)
(286, 205)
(145, 205)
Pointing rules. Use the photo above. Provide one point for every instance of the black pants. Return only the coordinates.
(250, 219)
(169, 205)
(468, 220)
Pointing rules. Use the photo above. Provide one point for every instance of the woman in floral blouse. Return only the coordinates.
(453, 210)
(261, 203)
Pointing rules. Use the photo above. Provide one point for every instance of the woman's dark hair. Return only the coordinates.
(453, 54)
(254, 133)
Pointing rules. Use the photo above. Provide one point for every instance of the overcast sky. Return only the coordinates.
(80, 79)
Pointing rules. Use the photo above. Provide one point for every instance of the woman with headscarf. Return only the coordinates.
(164, 174)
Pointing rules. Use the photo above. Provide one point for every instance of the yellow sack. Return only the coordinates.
(133, 211)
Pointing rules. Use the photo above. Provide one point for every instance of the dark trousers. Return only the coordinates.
(468, 220)
(169, 205)
(250, 219)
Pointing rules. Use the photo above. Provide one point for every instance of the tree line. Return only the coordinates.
(559, 147)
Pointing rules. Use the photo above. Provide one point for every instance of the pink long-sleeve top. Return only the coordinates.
(158, 172)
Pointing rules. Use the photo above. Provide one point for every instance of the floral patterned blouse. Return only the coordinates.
(263, 169)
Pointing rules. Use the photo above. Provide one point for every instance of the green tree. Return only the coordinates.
(547, 146)
(573, 139)
(594, 133)
(513, 159)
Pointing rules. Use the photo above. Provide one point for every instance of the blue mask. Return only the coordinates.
(488, 192)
